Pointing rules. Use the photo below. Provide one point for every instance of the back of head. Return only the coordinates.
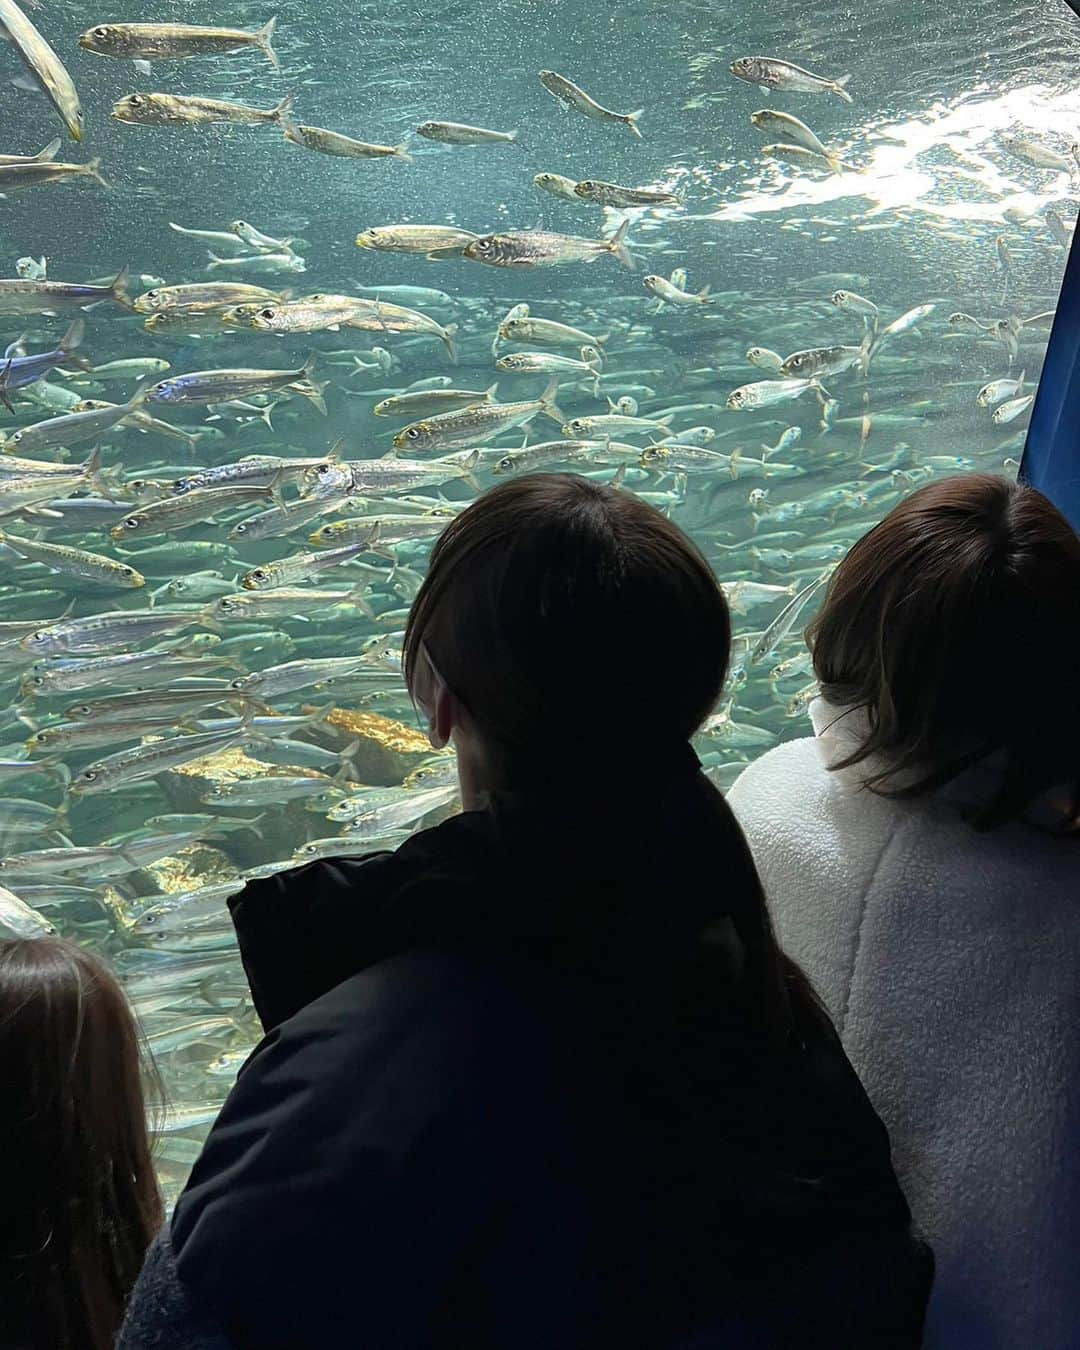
(956, 624)
(81, 1201)
(572, 621)
(587, 638)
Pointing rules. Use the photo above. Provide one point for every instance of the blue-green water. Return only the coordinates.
(929, 208)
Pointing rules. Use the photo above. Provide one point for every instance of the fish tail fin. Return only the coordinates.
(834, 163)
(402, 152)
(548, 406)
(93, 474)
(49, 153)
(312, 390)
(281, 111)
(631, 120)
(839, 88)
(215, 260)
(468, 465)
(866, 351)
(93, 170)
(74, 335)
(447, 336)
(515, 137)
(617, 245)
(118, 288)
(309, 365)
(262, 41)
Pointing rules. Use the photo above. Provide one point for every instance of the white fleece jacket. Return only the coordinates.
(950, 961)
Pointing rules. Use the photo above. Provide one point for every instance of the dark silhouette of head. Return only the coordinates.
(80, 1197)
(956, 624)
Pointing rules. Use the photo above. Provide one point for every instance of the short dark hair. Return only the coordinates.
(583, 630)
(956, 624)
(563, 612)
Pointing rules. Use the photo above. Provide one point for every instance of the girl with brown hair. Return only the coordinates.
(542, 1076)
(80, 1201)
(921, 857)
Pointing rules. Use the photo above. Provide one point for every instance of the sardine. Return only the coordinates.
(771, 73)
(174, 41)
(45, 67)
(164, 110)
(567, 92)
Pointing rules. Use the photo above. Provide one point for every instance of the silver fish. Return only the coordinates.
(770, 73)
(567, 92)
(45, 67)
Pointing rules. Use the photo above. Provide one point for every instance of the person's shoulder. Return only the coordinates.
(466, 990)
(433, 1017)
(778, 776)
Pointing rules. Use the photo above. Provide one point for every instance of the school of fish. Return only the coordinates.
(220, 482)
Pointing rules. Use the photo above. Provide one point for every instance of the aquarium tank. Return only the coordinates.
(280, 298)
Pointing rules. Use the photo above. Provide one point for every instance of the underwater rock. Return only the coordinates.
(387, 750)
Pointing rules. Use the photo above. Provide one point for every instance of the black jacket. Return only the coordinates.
(512, 1096)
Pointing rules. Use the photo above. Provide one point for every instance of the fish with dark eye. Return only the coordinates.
(201, 293)
(611, 194)
(475, 425)
(544, 248)
(817, 361)
(558, 185)
(174, 41)
(666, 293)
(221, 386)
(436, 241)
(770, 73)
(167, 110)
(791, 131)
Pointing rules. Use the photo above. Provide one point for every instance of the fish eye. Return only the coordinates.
(483, 246)
(259, 574)
(266, 313)
(40, 636)
(149, 919)
(101, 32)
(131, 523)
(135, 101)
(413, 433)
(128, 571)
(88, 775)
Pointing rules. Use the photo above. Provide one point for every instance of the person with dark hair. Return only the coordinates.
(542, 1077)
(81, 1203)
(921, 859)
